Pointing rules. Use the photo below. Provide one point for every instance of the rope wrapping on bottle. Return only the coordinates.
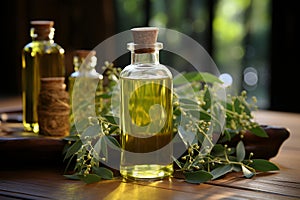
(53, 107)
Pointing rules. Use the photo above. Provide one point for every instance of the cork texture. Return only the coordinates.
(144, 35)
(42, 23)
(82, 53)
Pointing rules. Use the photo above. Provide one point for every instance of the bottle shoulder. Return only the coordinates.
(87, 74)
(40, 46)
(147, 71)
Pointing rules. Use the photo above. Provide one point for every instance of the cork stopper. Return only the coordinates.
(144, 35)
(42, 29)
(84, 59)
(82, 53)
(144, 39)
(42, 24)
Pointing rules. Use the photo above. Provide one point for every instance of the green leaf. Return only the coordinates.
(187, 101)
(195, 76)
(90, 178)
(247, 109)
(72, 176)
(69, 163)
(237, 104)
(73, 149)
(98, 148)
(187, 136)
(113, 129)
(112, 119)
(91, 131)
(228, 105)
(226, 135)
(240, 151)
(81, 125)
(105, 95)
(236, 168)
(247, 173)
(116, 144)
(199, 114)
(71, 138)
(210, 78)
(66, 147)
(73, 130)
(232, 158)
(177, 112)
(177, 162)
(103, 146)
(259, 131)
(263, 165)
(207, 99)
(231, 151)
(197, 177)
(220, 171)
(218, 150)
(103, 172)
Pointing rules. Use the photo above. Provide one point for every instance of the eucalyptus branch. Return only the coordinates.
(207, 161)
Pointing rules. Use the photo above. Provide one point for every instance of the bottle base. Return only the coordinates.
(31, 127)
(146, 172)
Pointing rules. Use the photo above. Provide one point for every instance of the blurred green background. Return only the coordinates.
(252, 42)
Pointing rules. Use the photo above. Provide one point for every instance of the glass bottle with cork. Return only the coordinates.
(146, 110)
(85, 86)
(41, 58)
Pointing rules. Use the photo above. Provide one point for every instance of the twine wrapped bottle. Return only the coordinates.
(53, 107)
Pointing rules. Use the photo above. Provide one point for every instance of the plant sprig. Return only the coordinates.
(208, 156)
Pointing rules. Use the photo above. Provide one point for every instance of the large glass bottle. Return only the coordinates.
(146, 110)
(85, 86)
(42, 57)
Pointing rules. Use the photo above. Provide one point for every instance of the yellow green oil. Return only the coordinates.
(146, 128)
(39, 59)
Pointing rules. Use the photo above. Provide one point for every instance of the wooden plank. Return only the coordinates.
(43, 184)
(36, 182)
(269, 183)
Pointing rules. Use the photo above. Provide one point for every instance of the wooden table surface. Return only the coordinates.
(47, 182)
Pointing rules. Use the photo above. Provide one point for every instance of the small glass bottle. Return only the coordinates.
(146, 110)
(85, 86)
(41, 58)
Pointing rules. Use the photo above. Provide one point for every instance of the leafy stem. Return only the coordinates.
(207, 155)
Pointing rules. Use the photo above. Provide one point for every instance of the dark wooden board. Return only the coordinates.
(19, 148)
(22, 148)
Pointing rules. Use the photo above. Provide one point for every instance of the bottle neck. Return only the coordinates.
(144, 53)
(39, 34)
(145, 57)
(84, 64)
